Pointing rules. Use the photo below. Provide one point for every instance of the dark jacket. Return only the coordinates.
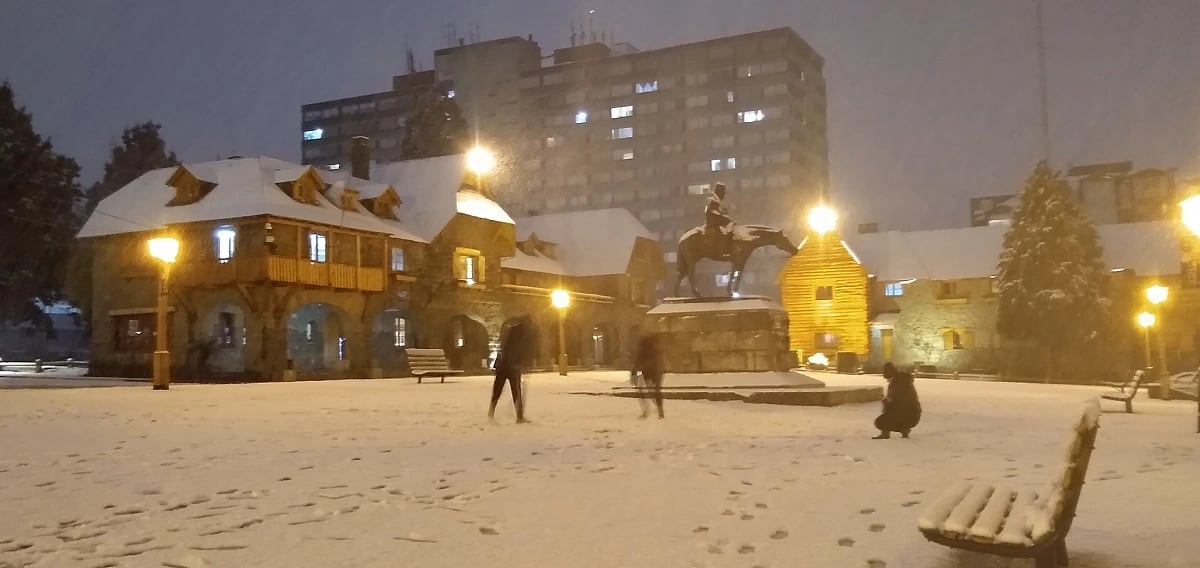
(517, 349)
(649, 358)
(901, 407)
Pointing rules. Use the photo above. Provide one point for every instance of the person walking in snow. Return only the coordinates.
(648, 362)
(510, 363)
(901, 407)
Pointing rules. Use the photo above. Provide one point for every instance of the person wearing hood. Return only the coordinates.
(514, 355)
(901, 407)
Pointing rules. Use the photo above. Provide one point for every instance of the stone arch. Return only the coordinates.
(392, 331)
(468, 342)
(317, 338)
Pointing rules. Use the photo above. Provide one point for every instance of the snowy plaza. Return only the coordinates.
(391, 473)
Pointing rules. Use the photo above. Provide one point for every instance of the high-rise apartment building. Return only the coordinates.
(650, 131)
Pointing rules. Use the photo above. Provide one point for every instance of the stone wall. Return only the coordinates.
(723, 340)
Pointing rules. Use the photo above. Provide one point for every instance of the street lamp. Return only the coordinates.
(1190, 216)
(165, 249)
(480, 161)
(561, 300)
(822, 219)
(1157, 294)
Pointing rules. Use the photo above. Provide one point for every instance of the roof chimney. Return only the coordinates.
(360, 157)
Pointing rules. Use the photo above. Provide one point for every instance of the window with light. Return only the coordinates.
(397, 259)
(751, 116)
(893, 289)
(399, 332)
(314, 134)
(622, 111)
(317, 243)
(824, 292)
(646, 87)
(619, 133)
(581, 117)
(226, 238)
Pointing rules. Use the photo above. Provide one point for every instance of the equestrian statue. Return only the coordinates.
(722, 240)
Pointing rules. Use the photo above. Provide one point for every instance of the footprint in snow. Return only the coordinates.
(845, 541)
(877, 527)
(876, 563)
(907, 504)
(779, 534)
(866, 511)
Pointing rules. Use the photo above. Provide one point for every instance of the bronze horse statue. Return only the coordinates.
(696, 244)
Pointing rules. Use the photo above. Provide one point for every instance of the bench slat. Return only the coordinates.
(992, 517)
(934, 515)
(1016, 529)
(967, 510)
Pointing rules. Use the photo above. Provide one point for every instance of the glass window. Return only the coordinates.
(824, 292)
(621, 111)
(316, 246)
(646, 87)
(581, 117)
(623, 154)
(893, 289)
(619, 133)
(731, 163)
(226, 241)
(826, 341)
(751, 116)
(399, 332)
(314, 134)
(698, 189)
(715, 165)
(397, 259)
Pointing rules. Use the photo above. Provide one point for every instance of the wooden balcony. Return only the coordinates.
(248, 269)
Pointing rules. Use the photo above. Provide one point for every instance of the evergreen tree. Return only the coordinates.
(435, 127)
(37, 194)
(1051, 273)
(141, 150)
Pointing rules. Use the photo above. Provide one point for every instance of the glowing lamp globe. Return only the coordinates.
(480, 160)
(822, 219)
(1156, 294)
(1190, 216)
(164, 249)
(1145, 319)
(560, 299)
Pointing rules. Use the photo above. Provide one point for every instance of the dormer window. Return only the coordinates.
(349, 199)
(188, 188)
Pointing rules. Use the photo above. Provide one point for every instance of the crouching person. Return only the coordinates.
(901, 407)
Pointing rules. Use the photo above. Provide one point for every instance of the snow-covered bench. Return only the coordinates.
(1016, 523)
(429, 363)
(1127, 391)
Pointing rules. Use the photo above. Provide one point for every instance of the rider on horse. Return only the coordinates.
(718, 226)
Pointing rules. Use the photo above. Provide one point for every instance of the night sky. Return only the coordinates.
(930, 102)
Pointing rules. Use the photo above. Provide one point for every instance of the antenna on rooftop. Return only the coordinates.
(572, 33)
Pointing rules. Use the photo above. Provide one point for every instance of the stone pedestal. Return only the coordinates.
(722, 335)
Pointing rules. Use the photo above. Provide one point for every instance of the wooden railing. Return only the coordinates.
(279, 269)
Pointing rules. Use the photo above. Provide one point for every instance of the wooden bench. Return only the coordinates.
(1125, 392)
(1016, 523)
(429, 363)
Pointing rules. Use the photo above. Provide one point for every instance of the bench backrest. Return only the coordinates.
(1134, 382)
(427, 360)
(1071, 481)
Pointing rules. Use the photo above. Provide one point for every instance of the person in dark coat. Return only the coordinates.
(514, 355)
(648, 361)
(901, 407)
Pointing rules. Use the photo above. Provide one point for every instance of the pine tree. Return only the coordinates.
(435, 127)
(141, 150)
(37, 193)
(1051, 273)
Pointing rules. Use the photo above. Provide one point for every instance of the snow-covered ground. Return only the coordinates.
(391, 473)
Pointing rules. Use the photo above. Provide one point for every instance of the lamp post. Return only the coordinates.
(1189, 214)
(1146, 320)
(480, 161)
(561, 300)
(165, 249)
(1157, 294)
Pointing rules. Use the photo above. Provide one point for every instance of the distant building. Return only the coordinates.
(931, 296)
(649, 131)
(992, 209)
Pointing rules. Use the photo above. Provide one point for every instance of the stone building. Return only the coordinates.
(286, 270)
(932, 299)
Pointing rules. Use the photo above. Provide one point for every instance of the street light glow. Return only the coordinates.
(1157, 294)
(164, 249)
(822, 219)
(1190, 215)
(480, 160)
(560, 299)
(1145, 319)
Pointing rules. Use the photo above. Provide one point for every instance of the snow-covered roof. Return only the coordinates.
(1150, 248)
(589, 243)
(244, 187)
(536, 262)
(430, 189)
